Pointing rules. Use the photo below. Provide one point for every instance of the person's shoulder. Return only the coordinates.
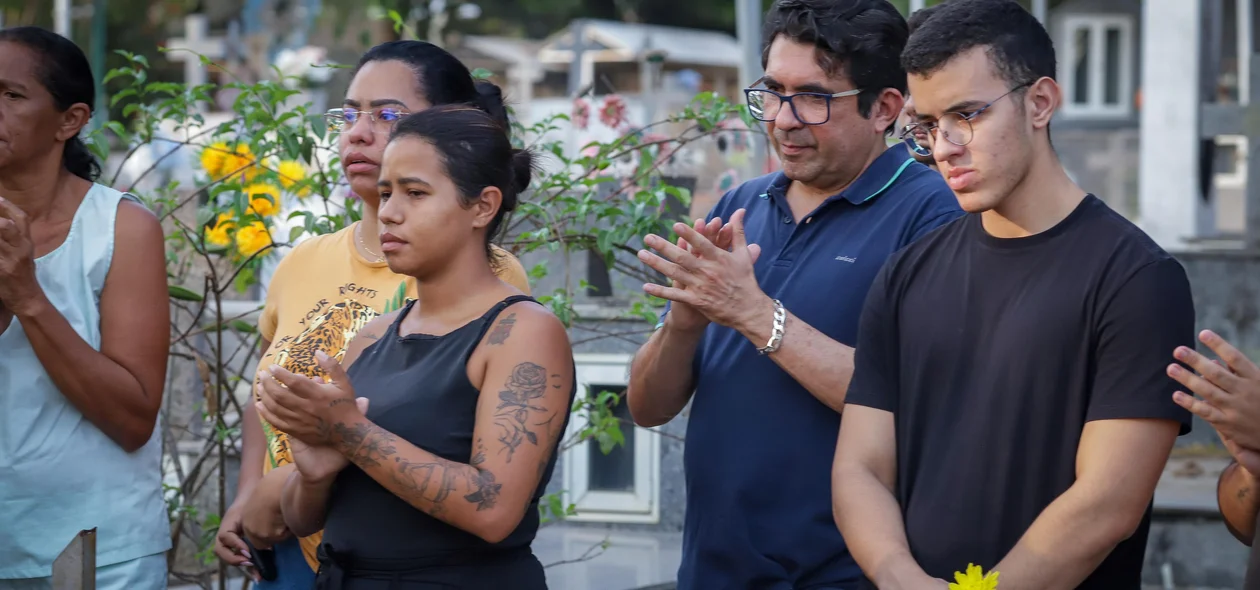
(322, 244)
(941, 242)
(509, 268)
(923, 188)
(314, 252)
(1129, 246)
(529, 315)
(133, 216)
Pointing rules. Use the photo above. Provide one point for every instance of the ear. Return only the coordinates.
(886, 109)
(487, 206)
(73, 121)
(1041, 101)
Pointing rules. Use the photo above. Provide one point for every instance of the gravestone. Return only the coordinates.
(1241, 119)
(196, 42)
(75, 568)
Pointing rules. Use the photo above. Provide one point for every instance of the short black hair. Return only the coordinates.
(63, 70)
(918, 17)
(1015, 41)
(861, 39)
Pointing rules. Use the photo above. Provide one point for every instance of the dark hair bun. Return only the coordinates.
(522, 174)
(490, 99)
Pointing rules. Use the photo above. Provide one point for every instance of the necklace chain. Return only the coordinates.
(358, 232)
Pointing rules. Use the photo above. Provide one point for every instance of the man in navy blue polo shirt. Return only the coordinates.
(763, 334)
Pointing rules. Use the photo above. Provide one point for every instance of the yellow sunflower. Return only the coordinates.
(217, 234)
(291, 173)
(975, 579)
(252, 238)
(264, 199)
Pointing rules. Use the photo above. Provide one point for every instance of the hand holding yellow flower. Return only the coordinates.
(975, 579)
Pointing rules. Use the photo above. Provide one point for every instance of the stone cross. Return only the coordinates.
(196, 41)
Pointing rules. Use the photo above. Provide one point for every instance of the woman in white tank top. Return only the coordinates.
(83, 341)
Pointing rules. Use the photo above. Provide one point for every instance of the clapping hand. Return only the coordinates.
(1229, 396)
(682, 315)
(719, 285)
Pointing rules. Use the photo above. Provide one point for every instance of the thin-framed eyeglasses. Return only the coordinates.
(382, 119)
(810, 108)
(955, 127)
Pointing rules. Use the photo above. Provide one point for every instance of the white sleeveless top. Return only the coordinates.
(59, 474)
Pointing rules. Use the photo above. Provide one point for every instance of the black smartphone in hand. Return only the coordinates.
(264, 560)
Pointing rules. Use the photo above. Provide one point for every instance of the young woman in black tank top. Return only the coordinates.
(432, 479)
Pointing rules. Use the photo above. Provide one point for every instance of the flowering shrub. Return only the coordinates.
(271, 166)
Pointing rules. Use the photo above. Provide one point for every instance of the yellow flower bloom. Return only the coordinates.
(214, 159)
(975, 579)
(291, 173)
(252, 238)
(245, 161)
(218, 233)
(264, 199)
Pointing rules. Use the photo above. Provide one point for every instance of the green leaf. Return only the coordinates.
(244, 327)
(124, 93)
(296, 233)
(115, 73)
(308, 148)
(177, 292)
(245, 278)
(292, 150)
(482, 74)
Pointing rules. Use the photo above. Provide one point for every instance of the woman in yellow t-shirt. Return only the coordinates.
(325, 290)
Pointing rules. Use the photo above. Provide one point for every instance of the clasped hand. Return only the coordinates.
(20, 293)
(711, 271)
(314, 413)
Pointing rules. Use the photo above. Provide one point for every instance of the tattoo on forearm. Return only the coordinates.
(479, 456)
(481, 481)
(501, 330)
(1243, 492)
(433, 482)
(367, 446)
(527, 384)
(340, 401)
(485, 490)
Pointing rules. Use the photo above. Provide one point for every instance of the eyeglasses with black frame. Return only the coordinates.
(955, 127)
(810, 108)
(381, 120)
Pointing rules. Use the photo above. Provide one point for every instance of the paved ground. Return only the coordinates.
(642, 560)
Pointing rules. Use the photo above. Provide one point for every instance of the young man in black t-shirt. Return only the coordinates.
(1009, 406)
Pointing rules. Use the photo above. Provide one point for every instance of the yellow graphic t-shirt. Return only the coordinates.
(321, 295)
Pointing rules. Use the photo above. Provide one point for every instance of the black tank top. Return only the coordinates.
(419, 391)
